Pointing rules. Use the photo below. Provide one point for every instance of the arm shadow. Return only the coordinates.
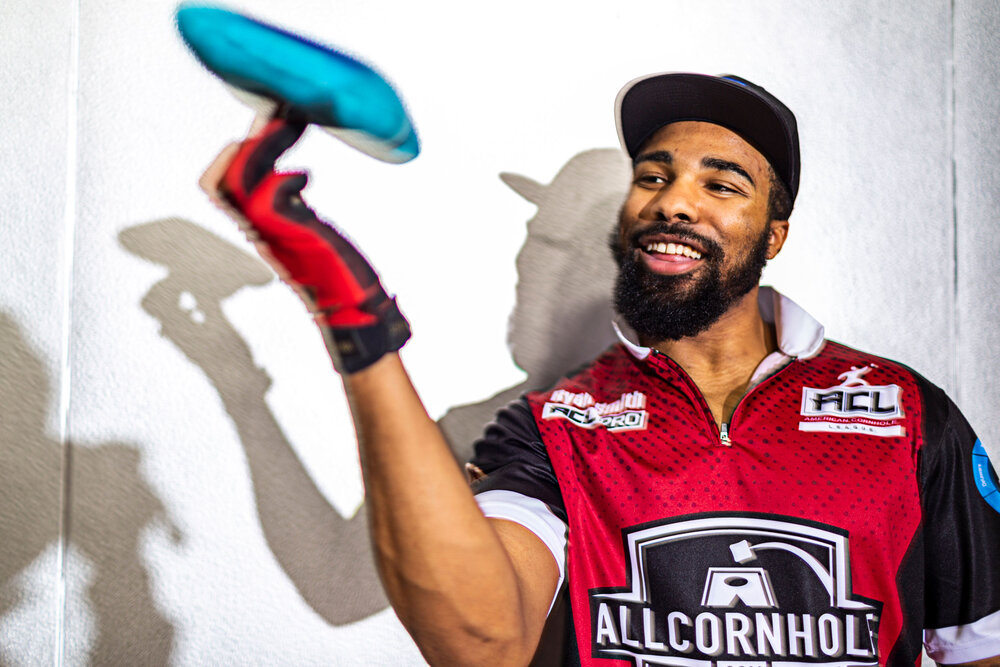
(326, 556)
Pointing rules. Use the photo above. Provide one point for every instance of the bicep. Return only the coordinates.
(517, 490)
(536, 570)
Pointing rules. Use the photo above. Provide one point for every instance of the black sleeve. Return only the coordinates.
(511, 457)
(961, 527)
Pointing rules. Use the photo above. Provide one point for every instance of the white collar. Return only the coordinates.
(799, 333)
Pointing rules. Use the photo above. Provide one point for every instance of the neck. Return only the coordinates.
(722, 359)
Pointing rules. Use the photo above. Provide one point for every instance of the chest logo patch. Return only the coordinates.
(853, 406)
(747, 590)
(627, 413)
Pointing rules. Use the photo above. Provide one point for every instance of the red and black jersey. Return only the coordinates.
(835, 518)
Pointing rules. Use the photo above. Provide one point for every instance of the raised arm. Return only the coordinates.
(470, 590)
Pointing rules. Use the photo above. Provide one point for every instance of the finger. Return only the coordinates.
(211, 179)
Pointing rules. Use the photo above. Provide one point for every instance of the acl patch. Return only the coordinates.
(853, 406)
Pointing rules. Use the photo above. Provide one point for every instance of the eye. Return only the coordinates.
(649, 180)
(724, 188)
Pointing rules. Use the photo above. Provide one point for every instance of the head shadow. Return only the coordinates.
(563, 310)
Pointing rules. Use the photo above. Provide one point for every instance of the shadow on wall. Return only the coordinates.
(111, 507)
(308, 536)
(562, 315)
(565, 276)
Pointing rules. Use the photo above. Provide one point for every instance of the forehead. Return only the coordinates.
(695, 140)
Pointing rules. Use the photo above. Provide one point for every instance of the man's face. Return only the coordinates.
(694, 232)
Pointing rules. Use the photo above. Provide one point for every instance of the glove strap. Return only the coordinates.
(357, 348)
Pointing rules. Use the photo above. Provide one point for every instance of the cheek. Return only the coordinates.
(738, 235)
(628, 216)
(631, 213)
(621, 235)
(747, 222)
(636, 200)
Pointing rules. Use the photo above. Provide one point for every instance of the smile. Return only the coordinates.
(677, 249)
(669, 254)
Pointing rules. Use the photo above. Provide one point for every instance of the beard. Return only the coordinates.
(671, 307)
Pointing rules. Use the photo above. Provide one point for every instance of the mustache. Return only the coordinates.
(712, 250)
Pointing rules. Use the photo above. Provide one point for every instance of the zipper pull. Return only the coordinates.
(724, 435)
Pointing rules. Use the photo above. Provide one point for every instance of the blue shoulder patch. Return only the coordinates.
(986, 476)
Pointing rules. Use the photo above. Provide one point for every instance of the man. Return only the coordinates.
(726, 487)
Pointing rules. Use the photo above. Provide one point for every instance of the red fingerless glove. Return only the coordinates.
(360, 323)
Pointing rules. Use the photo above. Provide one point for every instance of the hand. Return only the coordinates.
(360, 323)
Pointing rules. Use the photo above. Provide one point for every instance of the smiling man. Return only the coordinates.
(722, 488)
(671, 283)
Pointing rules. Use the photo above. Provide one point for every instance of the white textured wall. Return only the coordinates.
(178, 481)
(36, 57)
(976, 345)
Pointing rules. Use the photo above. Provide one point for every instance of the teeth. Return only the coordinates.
(673, 249)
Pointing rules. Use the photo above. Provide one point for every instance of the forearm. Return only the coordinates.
(444, 567)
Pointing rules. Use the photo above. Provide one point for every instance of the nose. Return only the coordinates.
(675, 202)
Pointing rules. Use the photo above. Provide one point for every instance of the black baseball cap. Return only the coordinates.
(648, 103)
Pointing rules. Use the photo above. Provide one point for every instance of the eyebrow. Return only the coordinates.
(726, 165)
(654, 156)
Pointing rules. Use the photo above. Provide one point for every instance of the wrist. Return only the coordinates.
(354, 348)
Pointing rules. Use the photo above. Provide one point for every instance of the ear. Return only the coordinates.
(776, 239)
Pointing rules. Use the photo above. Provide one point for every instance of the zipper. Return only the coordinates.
(695, 395)
(724, 429)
